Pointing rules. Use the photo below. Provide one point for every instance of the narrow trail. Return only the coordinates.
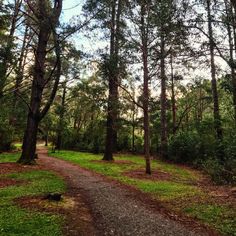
(114, 210)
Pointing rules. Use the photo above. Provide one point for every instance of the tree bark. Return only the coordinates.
(217, 118)
(29, 142)
(233, 2)
(19, 74)
(30, 136)
(163, 151)
(47, 25)
(145, 89)
(173, 100)
(112, 110)
(133, 129)
(61, 118)
(232, 45)
(110, 133)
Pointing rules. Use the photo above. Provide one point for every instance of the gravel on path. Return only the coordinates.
(114, 211)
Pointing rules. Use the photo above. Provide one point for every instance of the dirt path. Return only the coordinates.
(114, 209)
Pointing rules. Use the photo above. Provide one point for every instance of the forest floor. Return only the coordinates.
(118, 209)
(114, 199)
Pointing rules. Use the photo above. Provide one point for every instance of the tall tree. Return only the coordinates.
(47, 18)
(109, 14)
(217, 118)
(113, 79)
(144, 30)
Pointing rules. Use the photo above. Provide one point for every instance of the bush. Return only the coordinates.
(220, 173)
(217, 159)
(123, 141)
(185, 147)
(6, 137)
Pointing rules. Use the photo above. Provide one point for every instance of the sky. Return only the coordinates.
(71, 8)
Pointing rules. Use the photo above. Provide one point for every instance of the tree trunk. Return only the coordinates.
(61, 119)
(29, 142)
(173, 100)
(34, 114)
(46, 139)
(217, 118)
(233, 2)
(30, 135)
(19, 75)
(145, 90)
(110, 134)
(112, 111)
(163, 148)
(133, 129)
(232, 47)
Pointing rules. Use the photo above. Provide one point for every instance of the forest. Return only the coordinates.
(140, 92)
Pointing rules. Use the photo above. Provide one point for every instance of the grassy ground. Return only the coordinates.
(15, 220)
(176, 187)
(9, 157)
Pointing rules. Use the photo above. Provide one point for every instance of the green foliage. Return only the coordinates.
(217, 159)
(224, 170)
(17, 221)
(6, 130)
(185, 147)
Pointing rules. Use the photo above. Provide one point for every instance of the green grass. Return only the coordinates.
(222, 217)
(179, 194)
(18, 145)
(166, 190)
(9, 157)
(114, 170)
(17, 221)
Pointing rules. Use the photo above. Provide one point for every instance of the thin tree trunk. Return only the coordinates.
(61, 118)
(133, 131)
(200, 111)
(173, 100)
(145, 90)
(20, 71)
(109, 145)
(163, 150)
(217, 118)
(232, 47)
(233, 2)
(46, 139)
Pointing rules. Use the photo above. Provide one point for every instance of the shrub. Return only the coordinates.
(6, 137)
(220, 173)
(185, 147)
